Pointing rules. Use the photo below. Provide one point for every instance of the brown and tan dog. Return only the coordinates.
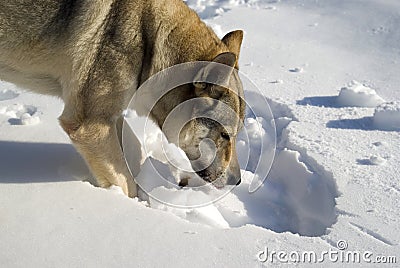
(95, 53)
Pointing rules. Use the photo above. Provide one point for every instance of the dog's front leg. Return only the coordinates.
(97, 141)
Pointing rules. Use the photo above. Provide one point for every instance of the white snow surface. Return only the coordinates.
(335, 176)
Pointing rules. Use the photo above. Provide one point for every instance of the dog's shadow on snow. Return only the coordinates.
(23, 162)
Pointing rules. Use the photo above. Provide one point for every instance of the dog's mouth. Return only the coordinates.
(207, 177)
(184, 182)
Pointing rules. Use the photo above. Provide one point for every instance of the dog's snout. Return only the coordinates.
(204, 174)
(234, 180)
(221, 179)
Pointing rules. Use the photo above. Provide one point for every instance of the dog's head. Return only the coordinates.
(209, 139)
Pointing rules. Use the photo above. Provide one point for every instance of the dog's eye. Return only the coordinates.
(225, 136)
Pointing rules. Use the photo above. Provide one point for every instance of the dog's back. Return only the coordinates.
(38, 37)
(24, 20)
(27, 48)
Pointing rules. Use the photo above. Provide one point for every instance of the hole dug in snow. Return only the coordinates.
(293, 199)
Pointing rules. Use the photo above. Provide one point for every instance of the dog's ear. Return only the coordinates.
(233, 41)
(213, 78)
(226, 58)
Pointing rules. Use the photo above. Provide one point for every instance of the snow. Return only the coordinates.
(387, 116)
(334, 156)
(376, 160)
(302, 204)
(356, 94)
(21, 114)
(297, 70)
(7, 94)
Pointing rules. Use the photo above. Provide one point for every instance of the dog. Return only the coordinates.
(94, 54)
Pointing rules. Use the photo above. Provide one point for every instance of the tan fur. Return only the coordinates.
(94, 54)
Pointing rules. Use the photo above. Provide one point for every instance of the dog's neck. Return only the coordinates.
(175, 35)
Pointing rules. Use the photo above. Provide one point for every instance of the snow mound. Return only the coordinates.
(209, 8)
(21, 114)
(28, 119)
(358, 95)
(387, 116)
(376, 160)
(212, 8)
(8, 94)
(297, 70)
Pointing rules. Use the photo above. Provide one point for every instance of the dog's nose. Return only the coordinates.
(204, 174)
(234, 180)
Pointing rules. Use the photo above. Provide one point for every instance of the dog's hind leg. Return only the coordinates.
(98, 143)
